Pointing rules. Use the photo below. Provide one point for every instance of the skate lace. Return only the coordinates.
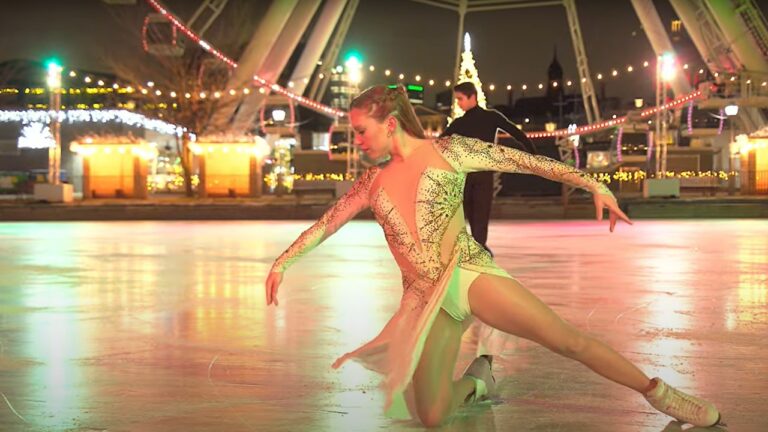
(684, 404)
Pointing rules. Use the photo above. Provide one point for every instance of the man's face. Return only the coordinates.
(464, 102)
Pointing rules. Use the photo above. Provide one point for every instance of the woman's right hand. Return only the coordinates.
(607, 200)
(273, 282)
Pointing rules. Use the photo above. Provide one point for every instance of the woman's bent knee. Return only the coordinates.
(432, 418)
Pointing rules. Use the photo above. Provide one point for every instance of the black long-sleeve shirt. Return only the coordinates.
(482, 124)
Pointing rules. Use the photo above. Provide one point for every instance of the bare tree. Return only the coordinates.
(15, 73)
(186, 87)
(8, 71)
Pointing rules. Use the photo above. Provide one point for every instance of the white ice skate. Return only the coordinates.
(480, 372)
(682, 406)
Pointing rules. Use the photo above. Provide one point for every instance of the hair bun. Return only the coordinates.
(382, 100)
(391, 94)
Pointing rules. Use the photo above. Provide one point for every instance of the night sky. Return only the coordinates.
(510, 47)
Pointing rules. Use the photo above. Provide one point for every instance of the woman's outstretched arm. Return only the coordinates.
(470, 154)
(350, 204)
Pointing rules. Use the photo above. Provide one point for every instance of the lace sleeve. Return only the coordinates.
(350, 204)
(470, 154)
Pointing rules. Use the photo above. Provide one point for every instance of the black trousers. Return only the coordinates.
(478, 197)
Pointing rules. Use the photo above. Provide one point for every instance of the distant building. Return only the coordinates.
(557, 105)
(341, 90)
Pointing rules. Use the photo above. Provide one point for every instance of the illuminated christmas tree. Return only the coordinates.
(468, 72)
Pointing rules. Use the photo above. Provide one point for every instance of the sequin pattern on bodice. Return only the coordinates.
(438, 197)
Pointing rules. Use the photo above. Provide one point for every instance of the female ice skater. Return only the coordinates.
(448, 278)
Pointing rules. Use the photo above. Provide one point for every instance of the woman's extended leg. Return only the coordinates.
(506, 305)
(437, 394)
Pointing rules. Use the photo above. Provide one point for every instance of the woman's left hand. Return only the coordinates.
(614, 212)
(271, 285)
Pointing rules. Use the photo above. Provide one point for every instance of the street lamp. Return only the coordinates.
(660, 185)
(53, 190)
(54, 105)
(354, 70)
(666, 68)
(731, 111)
(355, 76)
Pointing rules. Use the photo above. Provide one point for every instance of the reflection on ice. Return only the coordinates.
(163, 326)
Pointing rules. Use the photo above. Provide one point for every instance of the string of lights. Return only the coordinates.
(606, 124)
(150, 87)
(634, 176)
(91, 116)
(580, 130)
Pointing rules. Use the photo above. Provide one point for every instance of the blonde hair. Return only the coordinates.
(381, 101)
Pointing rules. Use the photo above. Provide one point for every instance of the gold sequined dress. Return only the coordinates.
(419, 207)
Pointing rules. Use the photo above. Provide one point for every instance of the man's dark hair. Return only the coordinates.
(466, 88)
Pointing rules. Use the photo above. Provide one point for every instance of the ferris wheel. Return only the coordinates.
(320, 24)
(160, 37)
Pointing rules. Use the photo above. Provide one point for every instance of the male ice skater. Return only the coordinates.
(481, 124)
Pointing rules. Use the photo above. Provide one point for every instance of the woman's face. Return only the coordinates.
(370, 135)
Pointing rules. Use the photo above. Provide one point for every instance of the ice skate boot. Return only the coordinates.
(480, 372)
(682, 406)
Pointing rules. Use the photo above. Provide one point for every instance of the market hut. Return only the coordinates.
(229, 166)
(753, 152)
(114, 167)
